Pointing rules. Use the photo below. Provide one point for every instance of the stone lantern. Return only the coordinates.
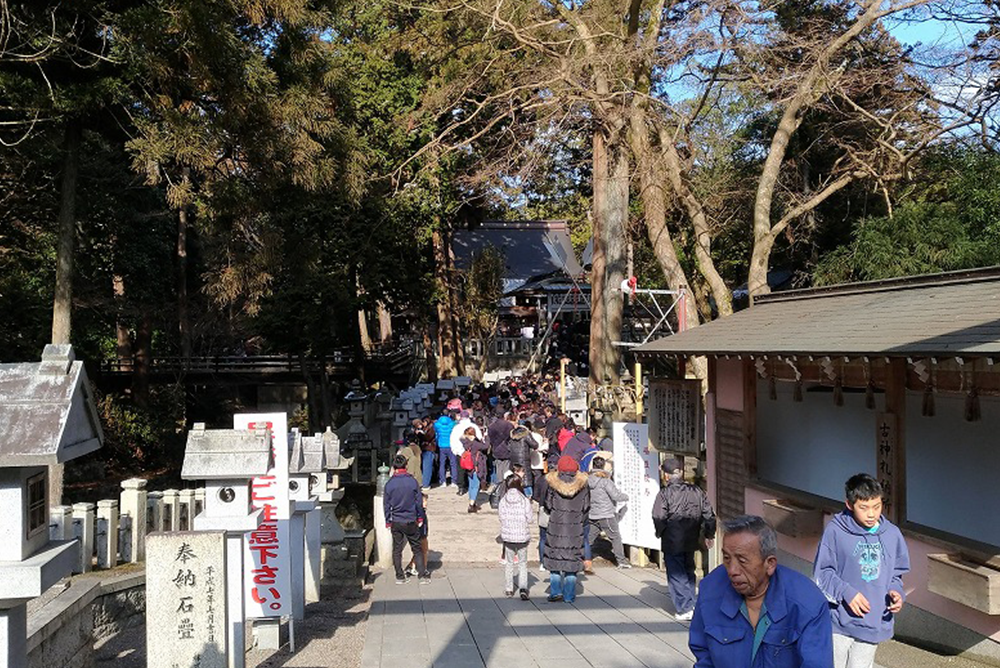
(228, 460)
(356, 400)
(47, 416)
(306, 480)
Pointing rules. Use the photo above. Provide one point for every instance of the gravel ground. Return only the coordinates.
(331, 636)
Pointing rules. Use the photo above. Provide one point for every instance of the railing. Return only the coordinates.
(396, 355)
(502, 346)
(113, 531)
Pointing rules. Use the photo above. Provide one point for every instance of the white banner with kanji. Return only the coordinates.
(636, 472)
(267, 579)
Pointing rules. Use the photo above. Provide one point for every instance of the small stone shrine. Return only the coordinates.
(47, 416)
(227, 460)
(186, 610)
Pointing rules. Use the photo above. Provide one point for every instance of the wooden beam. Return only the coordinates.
(750, 417)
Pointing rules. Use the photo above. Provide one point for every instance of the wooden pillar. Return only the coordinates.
(750, 417)
(891, 448)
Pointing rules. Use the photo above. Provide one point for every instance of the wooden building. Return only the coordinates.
(897, 378)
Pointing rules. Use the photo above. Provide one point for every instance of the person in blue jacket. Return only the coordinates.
(753, 613)
(442, 431)
(859, 565)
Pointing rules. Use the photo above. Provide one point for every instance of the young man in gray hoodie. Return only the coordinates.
(859, 567)
(604, 499)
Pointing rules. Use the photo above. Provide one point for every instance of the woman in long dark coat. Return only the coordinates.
(568, 502)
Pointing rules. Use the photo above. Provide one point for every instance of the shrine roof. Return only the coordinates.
(308, 455)
(224, 454)
(47, 410)
(954, 313)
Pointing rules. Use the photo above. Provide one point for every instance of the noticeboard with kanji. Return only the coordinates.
(186, 599)
(886, 438)
(675, 416)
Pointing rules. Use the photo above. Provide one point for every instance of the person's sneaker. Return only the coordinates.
(425, 579)
(509, 593)
(402, 581)
(472, 508)
(555, 599)
(524, 594)
(685, 616)
(623, 565)
(541, 568)
(411, 571)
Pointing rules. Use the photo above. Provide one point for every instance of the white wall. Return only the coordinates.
(815, 445)
(952, 467)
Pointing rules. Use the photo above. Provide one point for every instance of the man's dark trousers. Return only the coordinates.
(402, 534)
(681, 578)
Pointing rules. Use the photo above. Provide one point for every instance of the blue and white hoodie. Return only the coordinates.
(851, 559)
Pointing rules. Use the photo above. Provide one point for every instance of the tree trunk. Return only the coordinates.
(384, 323)
(366, 339)
(183, 317)
(654, 208)
(312, 397)
(445, 318)
(598, 336)
(700, 223)
(123, 348)
(613, 229)
(456, 329)
(143, 360)
(325, 397)
(62, 304)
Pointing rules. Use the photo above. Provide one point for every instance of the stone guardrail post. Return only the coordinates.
(107, 533)
(171, 510)
(83, 530)
(185, 501)
(134, 505)
(154, 512)
(60, 523)
(199, 503)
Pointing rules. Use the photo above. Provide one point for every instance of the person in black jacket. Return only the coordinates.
(402, 503)
(519, 447)
(681, 512)
(497, 435)
(567, 498)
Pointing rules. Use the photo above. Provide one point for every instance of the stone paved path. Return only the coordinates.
(463, 620)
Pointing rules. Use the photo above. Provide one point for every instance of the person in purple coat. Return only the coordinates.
(859, 566)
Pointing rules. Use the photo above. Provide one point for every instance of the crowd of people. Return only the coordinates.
(534, 464)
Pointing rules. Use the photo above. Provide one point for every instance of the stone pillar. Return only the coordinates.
(107, 533)
(312, 555)
(199, 503)
(333, 549)
(171, 510)
(154, 512)
(296, 532)
(383, 536)
(14, 637)
(185, 499)
(134, 504)
(60, 523)
(236, 624)
(83, 530)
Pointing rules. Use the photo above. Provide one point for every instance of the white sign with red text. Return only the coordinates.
(267, 579)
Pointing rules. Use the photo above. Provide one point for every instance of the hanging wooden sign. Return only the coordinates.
(676, 418)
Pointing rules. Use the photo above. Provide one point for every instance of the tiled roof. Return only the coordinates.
(956, 313)
(531, 247)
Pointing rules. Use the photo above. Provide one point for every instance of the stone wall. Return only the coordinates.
(62, 632)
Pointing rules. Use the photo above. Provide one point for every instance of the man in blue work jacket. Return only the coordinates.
(753, 613)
